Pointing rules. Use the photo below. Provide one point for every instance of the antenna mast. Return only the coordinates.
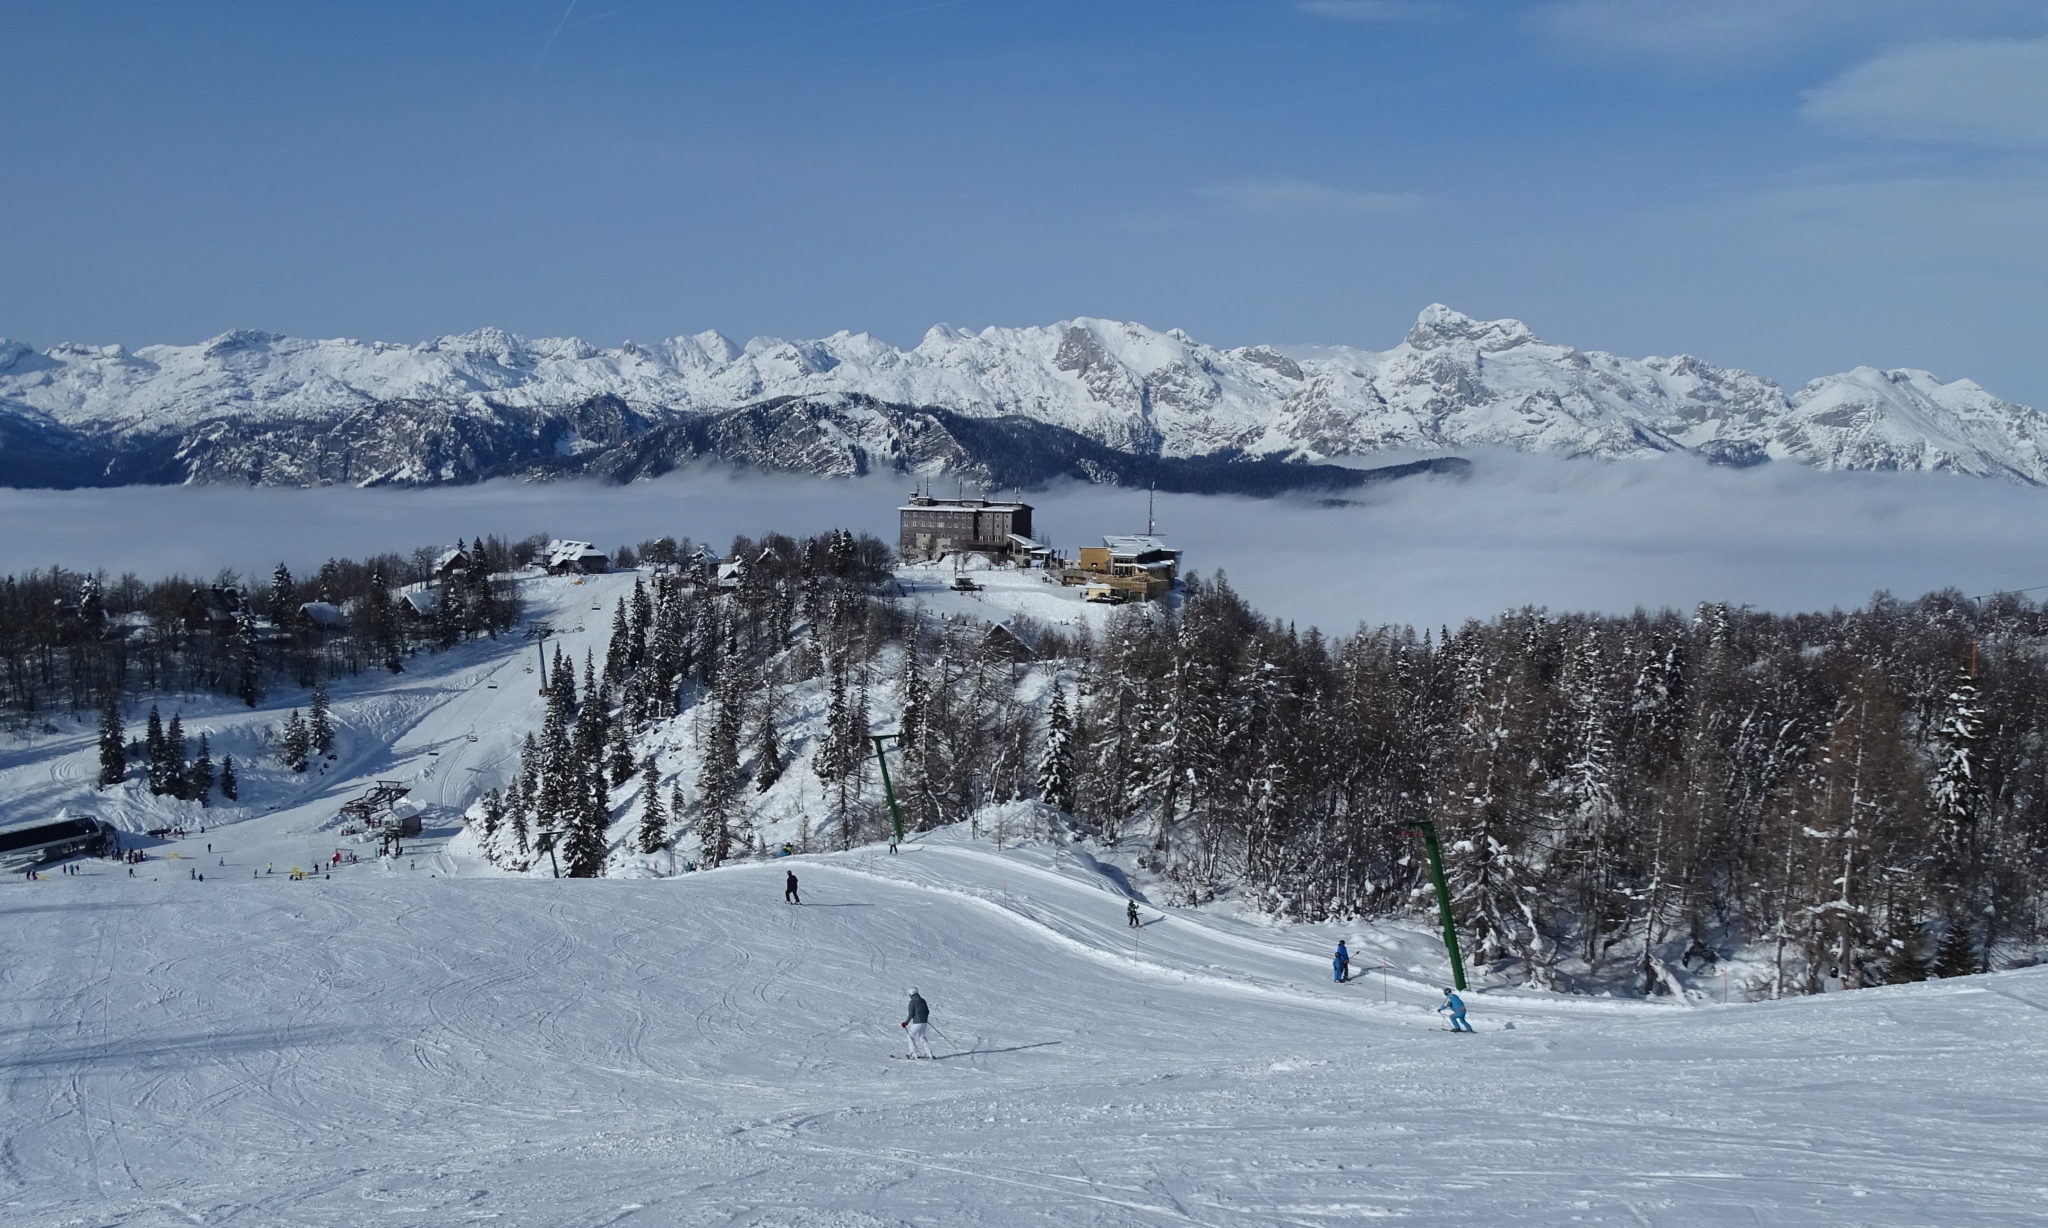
(1151, 491)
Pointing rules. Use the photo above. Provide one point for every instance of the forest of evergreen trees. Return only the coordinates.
(70, 641)
(1863, 793)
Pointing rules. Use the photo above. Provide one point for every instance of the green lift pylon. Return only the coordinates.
(888, 790)
(1443, 900)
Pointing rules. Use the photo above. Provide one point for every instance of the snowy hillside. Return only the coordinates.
(402, 1049)
(435, 1039)
(257, 407)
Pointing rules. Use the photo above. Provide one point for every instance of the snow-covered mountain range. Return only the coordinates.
(262, 408)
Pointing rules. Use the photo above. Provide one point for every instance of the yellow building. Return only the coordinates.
(1132, 567)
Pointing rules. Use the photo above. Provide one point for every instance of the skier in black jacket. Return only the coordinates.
(789, 889)
(918, 1024)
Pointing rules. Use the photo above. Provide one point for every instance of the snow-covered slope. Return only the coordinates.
(401, 1049)
(432, 1042)
(1452, 382)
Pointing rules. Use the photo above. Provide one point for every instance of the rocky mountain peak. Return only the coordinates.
(1439, 326)
(1456, 382)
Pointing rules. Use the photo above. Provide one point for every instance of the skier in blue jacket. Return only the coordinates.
(1456, 1005)
(1340, 965)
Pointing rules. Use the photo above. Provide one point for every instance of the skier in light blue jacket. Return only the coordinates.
(1456, 1005)
(1340, 964)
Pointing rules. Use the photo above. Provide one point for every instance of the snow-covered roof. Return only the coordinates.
(1130, 545)
(323, 614)
(1025, 543)
(958, 505)
(561, 552)
(422, 600)
(449, 556)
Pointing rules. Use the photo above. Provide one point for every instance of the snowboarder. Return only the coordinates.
(1340, 964)
(789, 888)
(1456, 1005)
(1131, 915)
(917, 1023)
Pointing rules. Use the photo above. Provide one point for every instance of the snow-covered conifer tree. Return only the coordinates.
(156, 771)
(297, 742)
(491, 814)
(718, 773)
(767, 741)
(653, 817)
(1056, 765)
(246, 653)
(277, 603)
(113, 741)
(199, 780)
(1957, 793)
(174, 756)
(320, 726)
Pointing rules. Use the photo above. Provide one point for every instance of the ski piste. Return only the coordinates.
(451, 1043)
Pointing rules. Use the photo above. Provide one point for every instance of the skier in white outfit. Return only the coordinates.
(918, 1026)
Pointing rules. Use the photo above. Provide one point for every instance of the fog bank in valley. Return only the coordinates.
(1520, 531)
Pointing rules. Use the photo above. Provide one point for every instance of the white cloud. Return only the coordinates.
(1989, 91)
(1522, 531)
(1740, 33)
(1365, 10)
(1302, 196)
(1982, 224)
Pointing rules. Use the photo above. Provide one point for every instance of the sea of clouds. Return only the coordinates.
(1521, 531)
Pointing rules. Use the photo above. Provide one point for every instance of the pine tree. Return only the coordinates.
(245, 651)
(153, 748)
(1056, 767)
(490, 815)
(92, 607)
(199, 781)
(558, 793)
(584, 851)
(1905, 959)
(319, 728)
(593, 736)
(519, 799)
(113, 741)
(620, 767)
(653, 819)
(1957, 954)
(174, 757)
(296, 742)
(618, 649)
(230, 787)
(718, 776)
(767, 745)
(278, 602)
(639, 620)
(1957, 792)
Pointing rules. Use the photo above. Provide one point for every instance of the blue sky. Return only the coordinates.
(1794, 186)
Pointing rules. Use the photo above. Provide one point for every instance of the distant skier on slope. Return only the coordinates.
(917, 1023)
(1131, 915)
(1340, 964)
(1456, 1005)
(789, 889)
